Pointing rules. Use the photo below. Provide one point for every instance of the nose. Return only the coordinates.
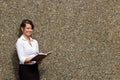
(30, 29)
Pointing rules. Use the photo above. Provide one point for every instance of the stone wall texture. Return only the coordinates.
(83, 34)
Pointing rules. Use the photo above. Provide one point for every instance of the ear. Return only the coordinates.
(21, 29)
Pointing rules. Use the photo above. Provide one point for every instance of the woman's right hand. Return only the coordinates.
(27, 60)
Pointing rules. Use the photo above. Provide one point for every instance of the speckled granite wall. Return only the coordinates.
(84, 34)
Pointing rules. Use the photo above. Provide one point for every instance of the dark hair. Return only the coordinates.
(23, 24)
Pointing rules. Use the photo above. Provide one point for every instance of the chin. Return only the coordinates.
(28, 35)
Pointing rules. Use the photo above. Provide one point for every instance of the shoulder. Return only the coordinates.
(35, 41)
(19, 41)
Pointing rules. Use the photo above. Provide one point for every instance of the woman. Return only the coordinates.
(27, 48)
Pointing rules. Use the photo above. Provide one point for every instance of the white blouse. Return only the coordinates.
(25, 50)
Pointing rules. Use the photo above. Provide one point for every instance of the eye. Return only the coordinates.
(29, 28)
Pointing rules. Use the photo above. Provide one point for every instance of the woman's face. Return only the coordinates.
(27, 31)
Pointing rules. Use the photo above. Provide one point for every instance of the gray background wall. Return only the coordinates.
(84, 34)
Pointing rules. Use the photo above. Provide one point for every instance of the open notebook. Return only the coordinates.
(40, 57)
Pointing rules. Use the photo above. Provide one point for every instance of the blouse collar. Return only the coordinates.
(25, 39)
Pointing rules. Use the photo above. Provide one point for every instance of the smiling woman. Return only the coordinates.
(26, 25)
(27, 48)
(27, 31)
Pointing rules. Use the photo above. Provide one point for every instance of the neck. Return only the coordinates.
(26, 37)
